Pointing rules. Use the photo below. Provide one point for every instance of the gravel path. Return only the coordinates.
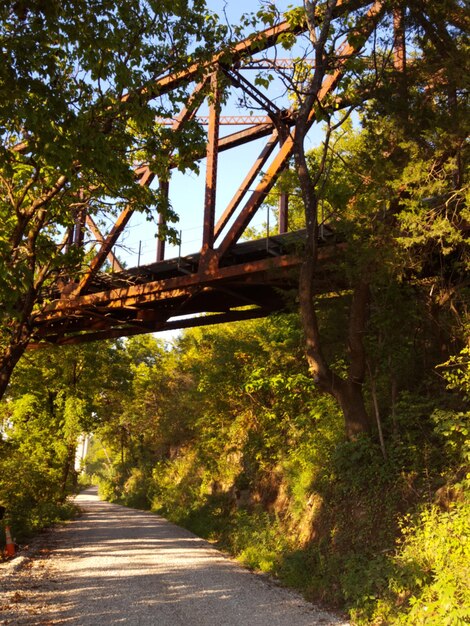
(116, 565)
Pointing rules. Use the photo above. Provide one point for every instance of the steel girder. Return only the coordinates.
(225, 279)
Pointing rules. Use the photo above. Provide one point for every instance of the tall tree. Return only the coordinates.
(54, 396)
(76, 119)
(399, 101)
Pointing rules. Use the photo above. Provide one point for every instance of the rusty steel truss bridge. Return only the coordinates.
(226, 280)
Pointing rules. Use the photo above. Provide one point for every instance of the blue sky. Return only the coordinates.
(187, 191)
(235, 8)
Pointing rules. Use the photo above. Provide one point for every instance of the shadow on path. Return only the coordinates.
(116, 565)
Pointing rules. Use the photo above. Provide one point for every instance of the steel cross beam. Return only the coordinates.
(345, 52)
(217, 280)
(100, 239)
(253, 92)
(258, 41)
(146, 177)
(225, 120)
(211, 169)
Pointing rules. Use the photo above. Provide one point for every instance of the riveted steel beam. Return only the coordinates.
(344, 52)
(100, 239)
(211, 167)
(96, 263)
(246, 184)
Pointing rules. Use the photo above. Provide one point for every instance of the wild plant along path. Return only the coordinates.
(116, 565)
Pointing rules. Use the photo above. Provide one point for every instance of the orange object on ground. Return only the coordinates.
(10, 547)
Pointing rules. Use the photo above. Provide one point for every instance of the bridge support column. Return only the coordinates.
(164, 190)
(283, 198)
(211, 171)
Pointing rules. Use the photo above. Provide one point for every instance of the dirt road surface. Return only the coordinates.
(116, 565)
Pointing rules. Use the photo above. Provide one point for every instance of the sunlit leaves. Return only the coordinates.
(77, 116)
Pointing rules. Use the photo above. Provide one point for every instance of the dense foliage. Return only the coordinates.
(225, 433)
(77, 116)
(53, 398)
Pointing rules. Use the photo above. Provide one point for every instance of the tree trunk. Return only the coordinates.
(8, 360)
(350, 397)
(69, 467)
(15, 334)
(348, 392)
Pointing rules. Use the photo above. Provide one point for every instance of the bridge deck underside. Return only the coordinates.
(255, 279)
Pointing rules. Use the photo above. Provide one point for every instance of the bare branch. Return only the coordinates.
(26, 188)
(8, 189)
(47, 197)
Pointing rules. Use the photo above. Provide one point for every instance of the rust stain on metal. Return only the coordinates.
(224, 277)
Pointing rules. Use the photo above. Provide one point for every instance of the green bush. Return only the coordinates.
(136, 490)
(429, 573)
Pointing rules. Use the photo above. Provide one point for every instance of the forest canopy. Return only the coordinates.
(76, 118)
